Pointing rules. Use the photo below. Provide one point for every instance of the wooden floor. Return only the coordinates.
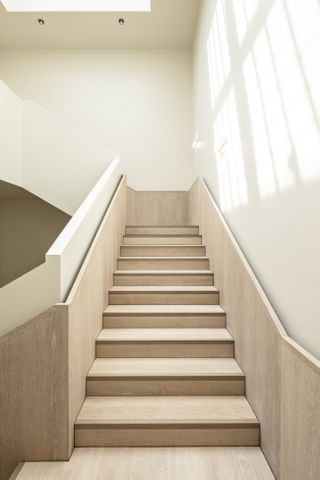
(209, 463)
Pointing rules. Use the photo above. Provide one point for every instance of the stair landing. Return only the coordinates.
(204, 463)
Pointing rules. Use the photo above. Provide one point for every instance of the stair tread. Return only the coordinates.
(163, 245)
(164, 309)
(156, 367)
(163, 272)
(162, 226)
(177, 235)
(164, 334)
(166, 410)
(163, 288)
(200, 257)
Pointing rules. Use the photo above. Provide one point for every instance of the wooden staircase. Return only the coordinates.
(165, 373)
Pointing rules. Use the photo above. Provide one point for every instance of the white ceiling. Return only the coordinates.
(170, 24)
(77, 6)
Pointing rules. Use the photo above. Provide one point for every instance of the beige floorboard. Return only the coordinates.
(223, 463)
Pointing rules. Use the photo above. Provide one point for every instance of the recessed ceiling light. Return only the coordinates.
(41, 21)
(121, 21)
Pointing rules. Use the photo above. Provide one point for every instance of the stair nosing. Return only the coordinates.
(162, 226)
(163, 272)
(164, 245)
(161, 289)
(175, 376)
(153, 338)
(200, 257)
(169, 235)
(122, 310)
(192, 423)
(137, 368)
(222, 341)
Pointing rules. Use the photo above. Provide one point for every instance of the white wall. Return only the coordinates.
(257, 143)
(139, 101)
(48, 155)
(10, 136)
(61, 162)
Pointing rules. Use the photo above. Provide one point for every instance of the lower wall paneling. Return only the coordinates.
(300, 414)
(34, 391)
(261, 349)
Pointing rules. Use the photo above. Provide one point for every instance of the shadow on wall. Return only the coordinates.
(256, 67)
(28, 227)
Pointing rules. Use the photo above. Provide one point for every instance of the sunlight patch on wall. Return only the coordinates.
(284, 119)
(244, 11)
(279, 82)
(197, 144)
(296, 55)
(281, 148)
(261, 142)
(218, 52)
(229, 159)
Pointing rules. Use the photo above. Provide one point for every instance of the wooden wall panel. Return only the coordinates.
(157, 208)
(89, 298)
(259, 342)
(300, 414)
(34, 391)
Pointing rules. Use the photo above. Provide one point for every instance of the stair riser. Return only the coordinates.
(166, 298)
(129, 436)
(155, 321)
(163, 264)
(164, 349)
(132, 230)
(161, 240)
(162, 280)
(162, 251)
(173, 386)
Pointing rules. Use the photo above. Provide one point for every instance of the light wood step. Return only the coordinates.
(162, 239)
(164, 295)
(163, 263)
(162, 251)
(164, 316)
(165, 376)
(162, 230)
(163, 277)
(162, 342)
(166, 421)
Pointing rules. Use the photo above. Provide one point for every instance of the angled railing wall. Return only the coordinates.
(282, 379)
(50, 282)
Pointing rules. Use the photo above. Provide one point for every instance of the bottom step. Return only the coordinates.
(166, 421)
